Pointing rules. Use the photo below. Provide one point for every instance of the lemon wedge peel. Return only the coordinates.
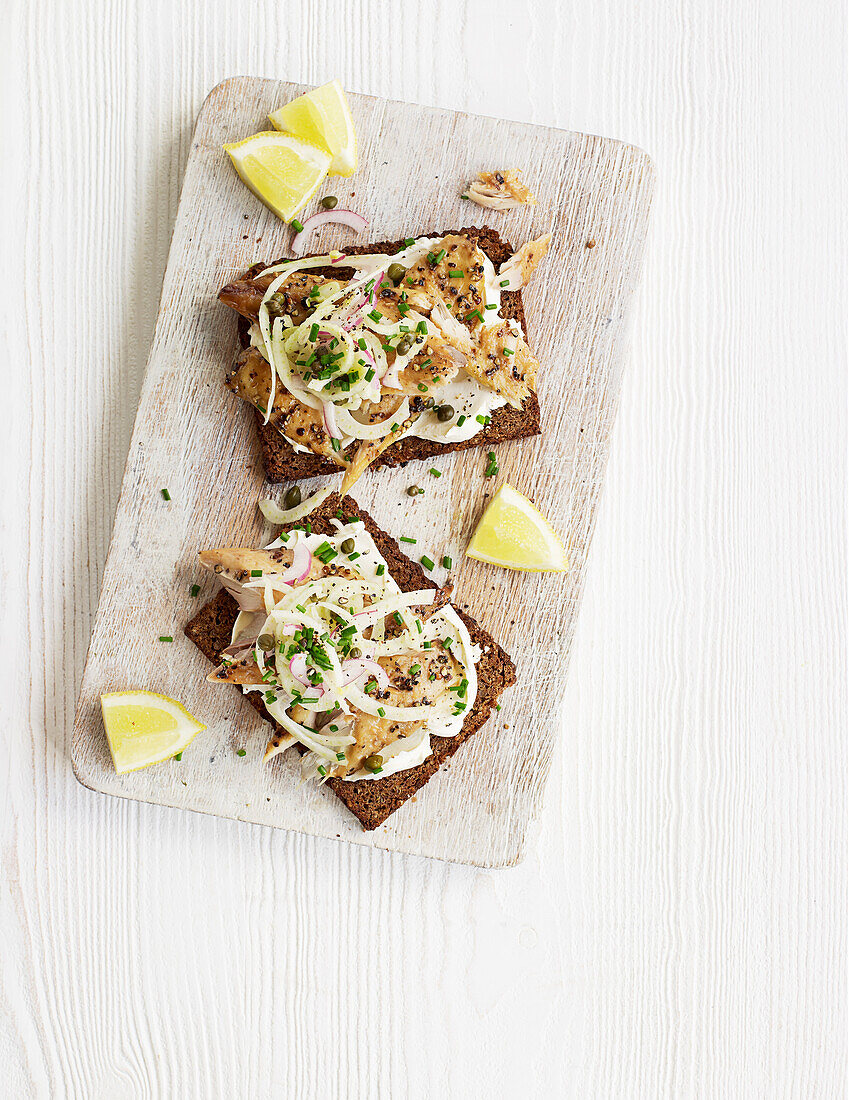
(145, 728)
(514, 534)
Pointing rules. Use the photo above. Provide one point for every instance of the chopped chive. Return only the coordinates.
(195, 589)
(381, 712)
(375, 315)
(256, 572)
(427, 645)
(325, 553)
(178, 756)
(296, 225)
(409, 241)
(498, 706)
(426, 363)
(166, 495)
(461, 420)
(507, 351)
(381, 569)
(321, 769)
(453, 273)
(421, 386)
(404, 538)
(421, 327)
(447, 642)
(165, 638)
(504, 282)
(492, 305)
(241, 752)
(313, 332)
(474, 313)
(446, 562)
(431, 258)
(370, 687)
(426, 562)
(340, 755)
(440, 256)
(361, 344)
(396, 615)
(435, 473)
(419, 625)
(414, 669)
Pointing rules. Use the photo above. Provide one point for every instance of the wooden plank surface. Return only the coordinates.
(193, 437)
(679, 929)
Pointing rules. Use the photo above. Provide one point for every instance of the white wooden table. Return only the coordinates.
(679, 929)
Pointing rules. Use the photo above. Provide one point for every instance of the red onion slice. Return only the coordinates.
(329, 412)
(301, 564)
(298, 668)
(340, 217)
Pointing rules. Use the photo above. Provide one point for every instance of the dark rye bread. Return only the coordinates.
(283, 463)
(372, 800)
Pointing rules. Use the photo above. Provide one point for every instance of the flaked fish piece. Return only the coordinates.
(301, 424)
(419, 679)
(522, 264)
(442, 361)
(455, 334)
(234, 566)
(245, 295)
(370, 736)
(427, 282)
(503, 362)
(499, 359)
(369, 450)
(501, 190)
(244, 671)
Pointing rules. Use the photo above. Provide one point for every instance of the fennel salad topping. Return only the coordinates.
(358, 672)
(412, 344)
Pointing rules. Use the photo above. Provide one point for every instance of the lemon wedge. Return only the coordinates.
(515, 534)
(283, 171)
(145, 728)
(323, 117)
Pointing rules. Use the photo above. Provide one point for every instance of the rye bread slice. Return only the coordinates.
(372, 800)
(283, 463)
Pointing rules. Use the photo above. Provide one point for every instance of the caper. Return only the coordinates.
(329, 202)
(428, 402)
(293, 497)
(373, 763)
(413, 491)
(396, 272)
(348, 546)
(404, 344)
(265, 641)
(355, 653)
(276, 305)
(445, 413)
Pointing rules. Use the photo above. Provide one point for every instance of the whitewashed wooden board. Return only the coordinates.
(194, 438)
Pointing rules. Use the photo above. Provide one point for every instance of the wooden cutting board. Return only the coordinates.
(197, 440)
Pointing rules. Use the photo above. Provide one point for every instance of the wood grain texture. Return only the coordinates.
(193, 437)
(678, 930)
